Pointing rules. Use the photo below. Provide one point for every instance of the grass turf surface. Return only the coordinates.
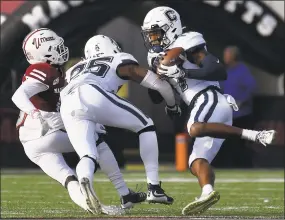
(244, 194)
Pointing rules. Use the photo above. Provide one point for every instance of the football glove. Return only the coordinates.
(173, 111)
(36, 114)
(100, 129)
(170, 71)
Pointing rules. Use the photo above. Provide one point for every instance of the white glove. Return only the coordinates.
(100, 129)
(232, 102)
(152, 56)
(36, 114)
(170, 71)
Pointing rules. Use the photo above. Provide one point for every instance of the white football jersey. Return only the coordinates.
(188, 88)
(101, 71)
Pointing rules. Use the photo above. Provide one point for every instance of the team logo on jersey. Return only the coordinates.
(56, 81)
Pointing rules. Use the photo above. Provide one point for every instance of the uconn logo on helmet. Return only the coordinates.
(170, 14)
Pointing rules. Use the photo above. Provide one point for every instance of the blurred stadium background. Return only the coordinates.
(256, 27)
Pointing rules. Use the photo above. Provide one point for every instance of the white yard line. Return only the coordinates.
(192, 180)
(186, 180)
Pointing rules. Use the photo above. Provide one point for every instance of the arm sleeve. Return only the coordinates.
(22, 96)
(152, 81)
(211, 70)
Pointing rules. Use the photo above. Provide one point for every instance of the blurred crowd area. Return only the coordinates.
(232, 34)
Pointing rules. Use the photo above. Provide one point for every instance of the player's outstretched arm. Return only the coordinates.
(22, 96)
(211, 68)
(149, 80)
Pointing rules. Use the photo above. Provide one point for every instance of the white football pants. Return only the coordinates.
(213, 107)
(91, 103)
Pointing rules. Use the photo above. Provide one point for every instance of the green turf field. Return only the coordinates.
(247, 193)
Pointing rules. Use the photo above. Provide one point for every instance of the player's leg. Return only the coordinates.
(223, 131)
(43, 153)
(211, 107)
(109, 166)
(108, 109)
(81, 132)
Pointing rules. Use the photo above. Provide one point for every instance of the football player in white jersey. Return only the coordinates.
(90, 96)
(196, 80)
(41, 130)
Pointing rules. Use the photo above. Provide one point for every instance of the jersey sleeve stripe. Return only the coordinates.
(39, 72)
(37, 76)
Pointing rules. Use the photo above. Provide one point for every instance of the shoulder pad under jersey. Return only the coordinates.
(42, 72)
(188, 40)
(124, 58)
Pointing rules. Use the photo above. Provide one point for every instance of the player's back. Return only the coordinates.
(45, 101)
(101, 71)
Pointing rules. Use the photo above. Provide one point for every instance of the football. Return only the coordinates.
(173, 56)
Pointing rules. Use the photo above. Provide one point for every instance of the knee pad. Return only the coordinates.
(147, 129)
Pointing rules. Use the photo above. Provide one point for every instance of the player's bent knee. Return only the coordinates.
(93, 158)
(147, 129)
(197, 162)
(196, 129)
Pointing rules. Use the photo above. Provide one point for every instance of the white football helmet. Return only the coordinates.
(100, 45)
(161, 27)
(44, 45)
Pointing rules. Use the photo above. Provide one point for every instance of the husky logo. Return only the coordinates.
(97, 48)
(36, 42)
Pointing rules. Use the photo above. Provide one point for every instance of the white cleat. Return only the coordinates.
(266, 137)
(112, 210)
(201, 204)
(93, 203)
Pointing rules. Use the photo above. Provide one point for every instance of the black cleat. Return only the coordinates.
(157, 195)
(129, 200)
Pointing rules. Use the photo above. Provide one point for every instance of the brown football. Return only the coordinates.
(173, 56)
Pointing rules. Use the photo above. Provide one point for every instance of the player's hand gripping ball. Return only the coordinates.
(170, 62)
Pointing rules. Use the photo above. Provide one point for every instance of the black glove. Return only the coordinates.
(173, 111)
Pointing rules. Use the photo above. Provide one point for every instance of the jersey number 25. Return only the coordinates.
(98, 67)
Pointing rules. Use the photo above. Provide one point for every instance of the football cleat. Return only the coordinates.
(92, 201)
(265, 137)
(112, 210)
(157, 195)
(201, 204)
(129, 200)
